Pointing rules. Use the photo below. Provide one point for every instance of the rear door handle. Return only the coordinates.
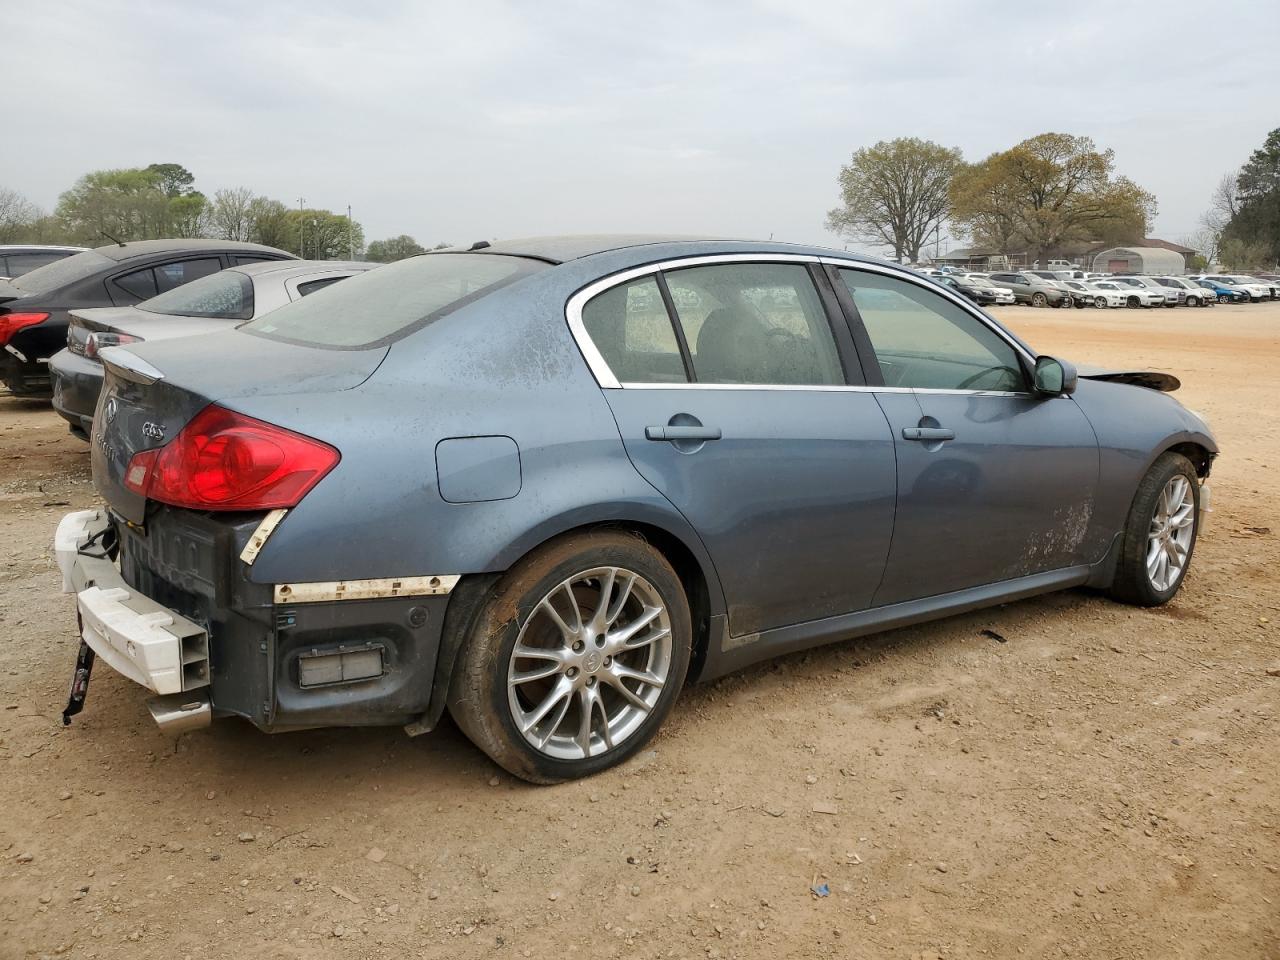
(681, 433)
(927, 433)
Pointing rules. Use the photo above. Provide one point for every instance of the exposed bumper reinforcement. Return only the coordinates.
(137, 637)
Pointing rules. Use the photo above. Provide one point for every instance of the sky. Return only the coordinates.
(472, 120)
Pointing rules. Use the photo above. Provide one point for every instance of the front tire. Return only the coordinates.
(1160, 534)
(1039, 300)
(576, 659)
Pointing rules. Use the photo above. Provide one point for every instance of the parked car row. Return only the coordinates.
(1066, 288)
(35, 307)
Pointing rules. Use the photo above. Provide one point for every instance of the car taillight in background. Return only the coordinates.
(223, 460)
(101, 339)
(11, 323)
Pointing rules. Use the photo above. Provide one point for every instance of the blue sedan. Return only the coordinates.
(543, 484)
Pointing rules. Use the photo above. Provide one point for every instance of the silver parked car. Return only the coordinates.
(216, 302)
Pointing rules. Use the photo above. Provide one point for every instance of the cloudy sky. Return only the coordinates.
(467, 120)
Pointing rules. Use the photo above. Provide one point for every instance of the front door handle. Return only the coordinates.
(681, 433)
(928, 434)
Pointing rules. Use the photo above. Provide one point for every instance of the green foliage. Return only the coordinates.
(1047, 192)
(322, 235)
(1243, 256)
(395, 248)
(138, 203)
(1253, 231)
(19, 217)
(895, 194)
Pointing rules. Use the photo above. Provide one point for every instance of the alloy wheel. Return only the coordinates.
(589, 663)
(1170, 536)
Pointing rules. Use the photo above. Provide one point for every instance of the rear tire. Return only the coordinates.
(573, 699)
(1163, 522)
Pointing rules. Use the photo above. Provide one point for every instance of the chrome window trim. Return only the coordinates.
(605, 377)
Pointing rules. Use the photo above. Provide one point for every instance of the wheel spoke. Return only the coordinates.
(567, 589)
(587, 699)
(557, 693)
(565, 630)
(1153, 551)
(1183, 517)
(627, 693)
(549, 669)
(624, 594)
(555, 724)
(619, 638)
(600, 618)
(525, 652)
(623, 672)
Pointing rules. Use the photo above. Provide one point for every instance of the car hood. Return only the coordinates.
(1151, 379)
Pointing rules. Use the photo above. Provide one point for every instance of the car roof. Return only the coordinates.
(560, 249)
(143, 248)
(299, 268)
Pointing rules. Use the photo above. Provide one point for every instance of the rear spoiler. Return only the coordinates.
(134, 369)
(9, 292)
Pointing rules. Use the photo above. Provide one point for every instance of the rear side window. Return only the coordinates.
(755, 323)
(172, 275)
(240, 259)
(630, 327)
(140, 285)
(311, 286)
(225, 296)
(381, 305)
(20, 264)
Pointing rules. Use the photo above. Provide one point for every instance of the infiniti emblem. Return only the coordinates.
(592, 663)
(109, 411)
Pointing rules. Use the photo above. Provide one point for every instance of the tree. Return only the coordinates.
(18, 216)
(895, 194)
(133, 204)
(1255, 221)
(395, 248)
(230, 215)
(323, 235)
(1244, 255)
(269, 224)
(1049, 191)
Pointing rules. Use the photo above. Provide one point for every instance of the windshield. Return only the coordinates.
(382, 305)
(979, 281)
(225, 296)
(58, 274)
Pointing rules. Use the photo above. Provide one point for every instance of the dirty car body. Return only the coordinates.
(766, 420)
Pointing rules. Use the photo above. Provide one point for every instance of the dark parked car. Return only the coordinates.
(17, 259)
(212, 303)
(983, 296)
(547, 482)
(33, 307)
(1031, 289)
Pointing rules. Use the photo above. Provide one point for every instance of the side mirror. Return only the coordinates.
(1054, 377)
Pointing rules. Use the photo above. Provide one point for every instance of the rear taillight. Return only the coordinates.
(11, 323)
(101, 339)
(223, 460)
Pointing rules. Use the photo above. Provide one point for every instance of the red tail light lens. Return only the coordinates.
(223, 460)
(11, 323)
(101, 340)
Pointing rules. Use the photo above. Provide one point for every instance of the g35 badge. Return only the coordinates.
(153, 431)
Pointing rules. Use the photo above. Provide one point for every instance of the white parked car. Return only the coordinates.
(1087, 293)
(1135, 294)
(1160, 296)
(1191, 293)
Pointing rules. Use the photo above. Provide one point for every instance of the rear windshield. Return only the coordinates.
(224, 296)
(375, 308)
(58, 274)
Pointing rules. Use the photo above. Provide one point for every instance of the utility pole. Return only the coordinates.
(351, 245)
(301, 227)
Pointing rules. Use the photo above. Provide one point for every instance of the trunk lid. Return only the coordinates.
(137, 323)
(152, 390)
(8, 291)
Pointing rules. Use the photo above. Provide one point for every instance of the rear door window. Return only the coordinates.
(172, 275)
(755, 323)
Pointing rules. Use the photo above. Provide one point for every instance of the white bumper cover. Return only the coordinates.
(148, 643)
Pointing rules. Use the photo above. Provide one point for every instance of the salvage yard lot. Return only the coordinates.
(1059, 776)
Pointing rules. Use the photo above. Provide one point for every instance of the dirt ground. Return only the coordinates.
(1103, 782)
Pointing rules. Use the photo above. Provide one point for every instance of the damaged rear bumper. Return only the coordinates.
(177, 611)
(148, 643)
